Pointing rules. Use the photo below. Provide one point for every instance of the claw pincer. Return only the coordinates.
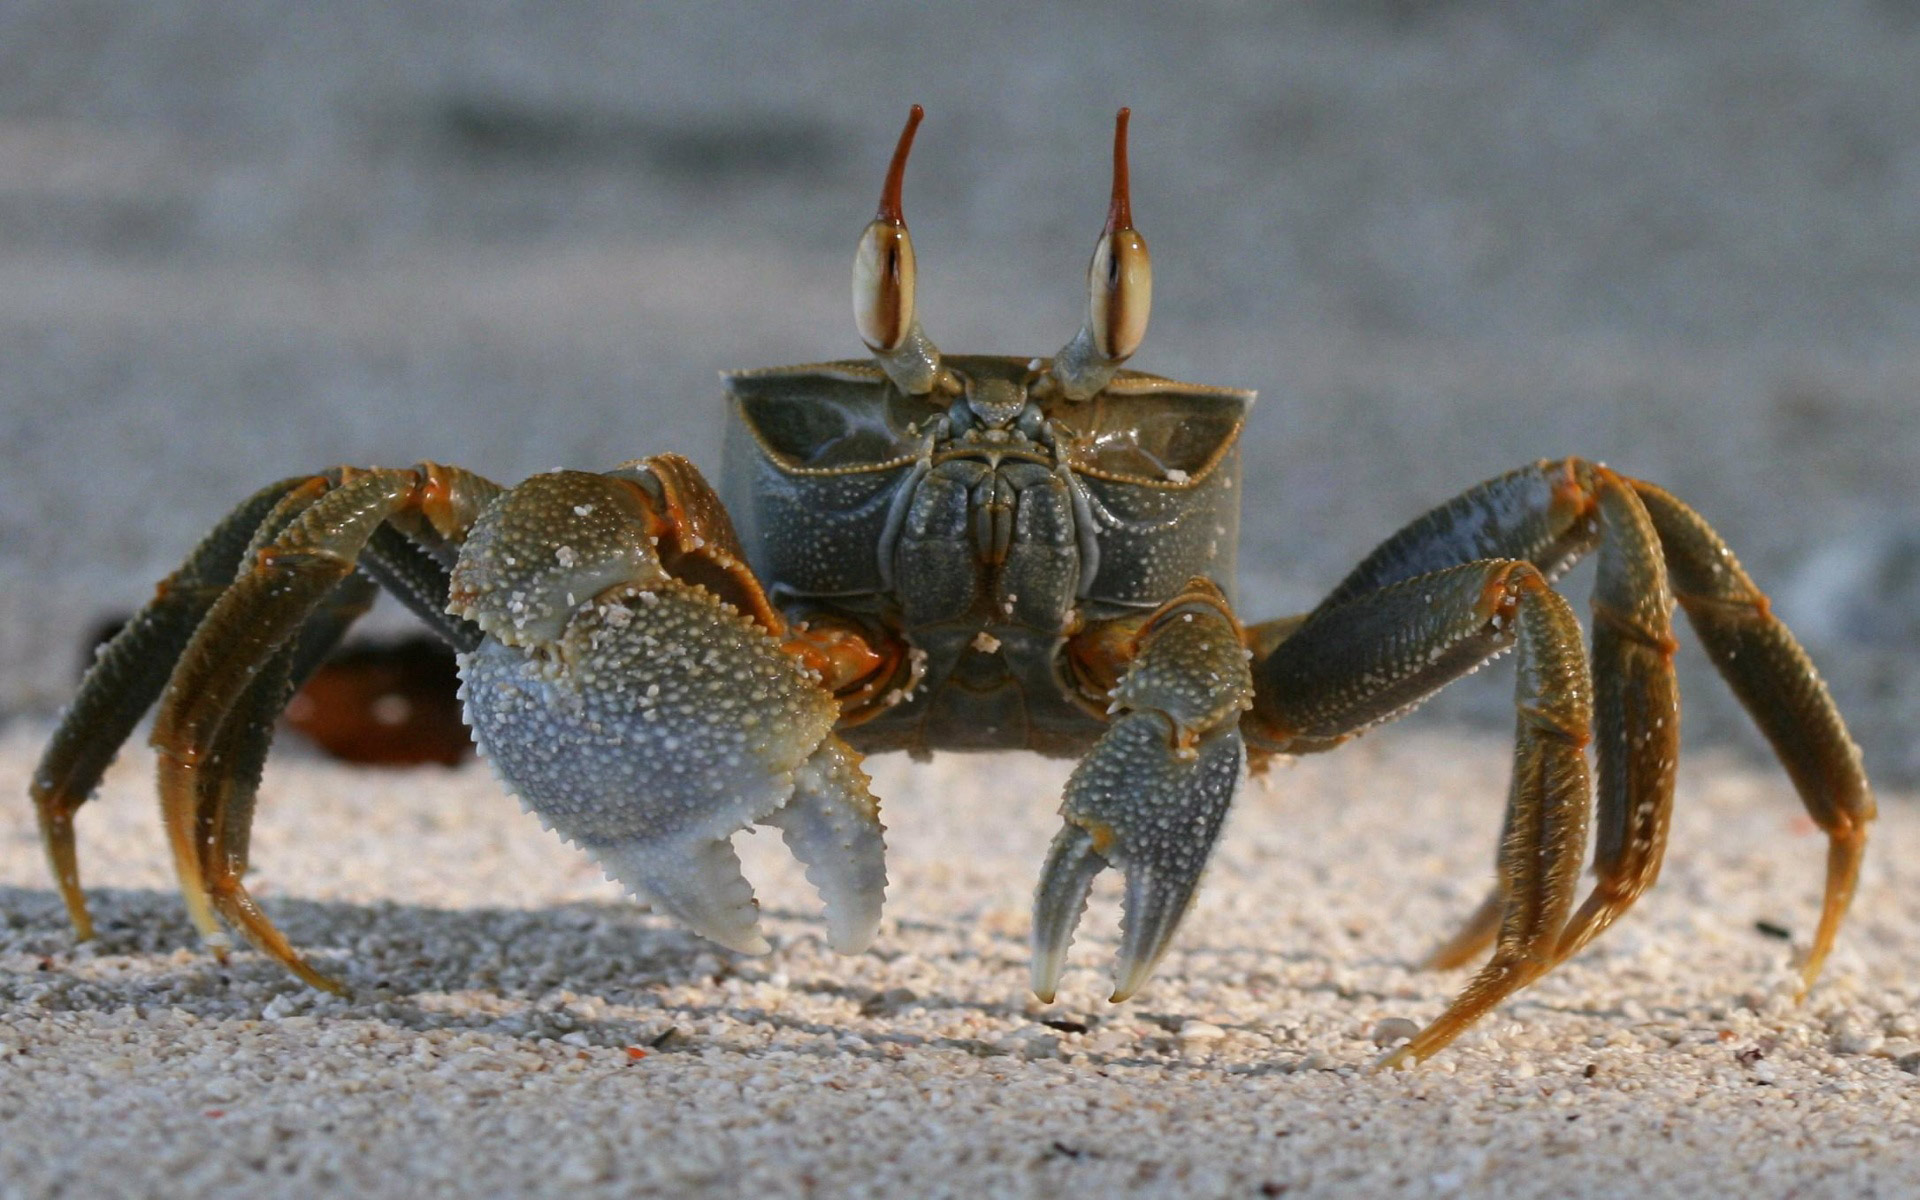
(1153, 793)
(648, 718)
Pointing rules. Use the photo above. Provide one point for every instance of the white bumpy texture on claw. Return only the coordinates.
(660, 723)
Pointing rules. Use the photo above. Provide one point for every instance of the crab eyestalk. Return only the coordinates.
(1119, 292)
(883, 279)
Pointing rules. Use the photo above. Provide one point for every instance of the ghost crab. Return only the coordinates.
(926, 552)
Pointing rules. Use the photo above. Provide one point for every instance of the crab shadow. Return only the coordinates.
(607, 974)
(533, 973)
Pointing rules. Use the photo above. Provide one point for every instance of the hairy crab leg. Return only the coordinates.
(127, 676)
(291, 600)
(227, 790)
(1776, 682)
(1318, 683)
(265, 606)
(1366, 659)
(1636, 712)
(1546, 824)
(1636, 729)
(1152, 794)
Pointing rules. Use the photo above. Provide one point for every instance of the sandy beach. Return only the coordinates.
(515, 1025)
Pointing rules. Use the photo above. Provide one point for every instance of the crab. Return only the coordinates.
(923, 552)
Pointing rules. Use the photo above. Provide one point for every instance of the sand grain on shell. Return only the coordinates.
(516, 1024)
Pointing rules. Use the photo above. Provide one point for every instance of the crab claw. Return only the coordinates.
(1143, 803)
(649, 721)
(1151, 796)
(833, 826)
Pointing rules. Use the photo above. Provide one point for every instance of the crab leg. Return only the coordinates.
(292, 599)
(1152, 794)
(264, 607)
(1394, 632)
(1636, 712)
(1777, 684)
(1366, 659)
(1546, 824)
(1637, 728)
(227, 790)
(126, 678)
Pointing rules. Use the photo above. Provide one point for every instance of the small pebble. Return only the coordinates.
(1391, 1031)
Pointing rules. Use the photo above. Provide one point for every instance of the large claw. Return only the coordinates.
(664, 724)
(652, 722)
(1140, 803)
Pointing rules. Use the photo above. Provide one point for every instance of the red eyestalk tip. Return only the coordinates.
(897, 172)
(1120, 211)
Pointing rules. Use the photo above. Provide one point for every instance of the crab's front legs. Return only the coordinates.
(1152, 794)
(641, 696)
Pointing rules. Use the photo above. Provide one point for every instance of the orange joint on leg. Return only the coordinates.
(840, 656)
(1572, 502)
(1097, 657)
(1500, 595)
(440, 500)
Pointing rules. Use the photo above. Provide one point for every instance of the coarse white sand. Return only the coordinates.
(517, 1027)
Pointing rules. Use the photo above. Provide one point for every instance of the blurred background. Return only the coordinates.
(242, 241)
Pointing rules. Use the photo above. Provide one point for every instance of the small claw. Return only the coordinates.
(1163, 871)
(1150, 913)
(832, 825)
(1064, 882)
(1142, 803)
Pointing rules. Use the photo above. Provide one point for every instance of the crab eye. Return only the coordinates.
(1120, 277)
(883, 267)
(1119, 293)
(883, 286)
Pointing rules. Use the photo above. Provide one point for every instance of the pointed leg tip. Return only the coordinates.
(1810, 972)
(1044, 995)
(77, 913)
(1401, 1058)
(325, 983)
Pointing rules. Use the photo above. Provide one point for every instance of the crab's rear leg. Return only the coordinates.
(1636, 724)
(1776, 682)
(1374, 650)
(305, 549)
(127, 676)
(1152, 794)
(225, 795)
